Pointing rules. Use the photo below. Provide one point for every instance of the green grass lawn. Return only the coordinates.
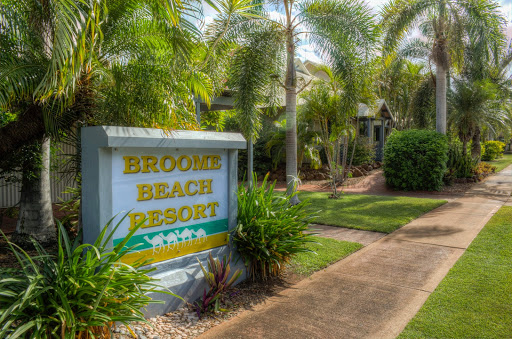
(327, 251)
(475, 299)
(368, 212)
(502, 162)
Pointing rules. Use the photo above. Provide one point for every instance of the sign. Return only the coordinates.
(182, 194)
(182, 184)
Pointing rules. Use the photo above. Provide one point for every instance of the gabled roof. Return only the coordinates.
(301, 68)
(381, 109)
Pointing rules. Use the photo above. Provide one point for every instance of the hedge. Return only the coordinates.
(415, 160)
(492, 150)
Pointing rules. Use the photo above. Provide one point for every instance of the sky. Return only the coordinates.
(306, 51)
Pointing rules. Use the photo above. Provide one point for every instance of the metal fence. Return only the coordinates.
(10, 192)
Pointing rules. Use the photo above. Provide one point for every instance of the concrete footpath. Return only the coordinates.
(377, 290)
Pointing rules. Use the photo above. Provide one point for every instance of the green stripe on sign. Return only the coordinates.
(168, 236)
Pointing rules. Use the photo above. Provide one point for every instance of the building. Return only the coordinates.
(376, 123)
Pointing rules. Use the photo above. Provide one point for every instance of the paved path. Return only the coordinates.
(377, 290)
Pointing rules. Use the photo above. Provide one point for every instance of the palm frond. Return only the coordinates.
(252, 66)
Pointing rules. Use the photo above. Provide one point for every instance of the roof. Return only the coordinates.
(381, 109)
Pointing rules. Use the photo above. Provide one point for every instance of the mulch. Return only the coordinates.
(375, 184)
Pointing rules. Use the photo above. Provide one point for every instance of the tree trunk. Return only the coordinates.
(291, 120)
(338, 153)
(476, 149)
(250, 157)
(356, 135)
(345, 154)
(464, 146)
(440, 99)
(36, 215)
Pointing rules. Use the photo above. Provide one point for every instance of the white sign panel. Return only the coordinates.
(182, 194)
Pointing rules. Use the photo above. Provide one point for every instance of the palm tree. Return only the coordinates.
(398, 81)
(474, 105)
(447, 25)
(340, 31)
(54, 56)
(484, 83)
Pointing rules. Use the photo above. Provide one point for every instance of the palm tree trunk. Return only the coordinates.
(349, 168)
(464, 146)
(250, 157)
(441, 99)
(291, 119)
(36, 215)
(476, 149)
(345, 158)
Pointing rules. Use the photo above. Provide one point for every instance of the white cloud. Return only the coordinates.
(306, 52)
(276, 16)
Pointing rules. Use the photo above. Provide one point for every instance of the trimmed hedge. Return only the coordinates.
(415, 160)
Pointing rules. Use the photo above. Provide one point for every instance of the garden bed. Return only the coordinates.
(184, 322)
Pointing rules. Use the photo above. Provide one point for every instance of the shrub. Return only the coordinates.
(79, 292)
(415, 160)
(217, 279)
(483, 170)
(492, 149)
(270, 230)
(364, 152)
(459, 165)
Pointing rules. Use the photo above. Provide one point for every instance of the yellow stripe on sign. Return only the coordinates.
(180, 249)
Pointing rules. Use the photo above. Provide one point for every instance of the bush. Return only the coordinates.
(492, 149)
(459, 165)
(415, 160)
(364, 153)
(270, 230)
(79, 292)
(483, 170)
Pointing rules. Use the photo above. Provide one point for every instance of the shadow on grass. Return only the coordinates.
(368, 212)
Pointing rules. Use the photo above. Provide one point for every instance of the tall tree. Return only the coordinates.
(54, 56)
(339, 30)
(448, 25)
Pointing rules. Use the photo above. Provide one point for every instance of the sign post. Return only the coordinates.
(182, 183)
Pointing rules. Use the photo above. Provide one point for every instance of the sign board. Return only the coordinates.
(182, 194)
(183, 185)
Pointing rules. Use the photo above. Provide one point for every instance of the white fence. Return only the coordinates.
(10, 193)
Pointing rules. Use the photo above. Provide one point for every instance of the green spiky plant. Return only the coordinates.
(78, 292)
(270, 228)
